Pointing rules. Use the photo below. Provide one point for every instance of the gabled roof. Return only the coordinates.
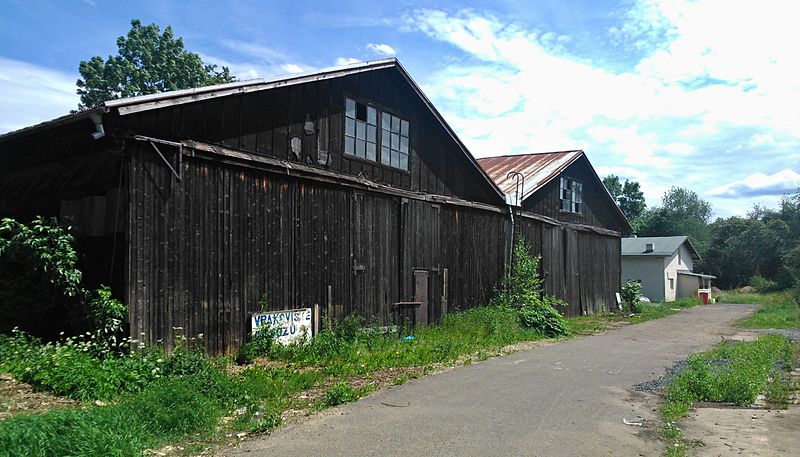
(662, 246)
(130, 105)
(538, 170)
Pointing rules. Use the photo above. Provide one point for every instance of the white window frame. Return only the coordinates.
(570, 195)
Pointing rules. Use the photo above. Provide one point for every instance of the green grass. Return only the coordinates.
(584, 325)
(155, 399)
(749, 369)
(347, 351)
(778, 310)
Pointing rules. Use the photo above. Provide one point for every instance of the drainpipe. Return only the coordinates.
(511, 239)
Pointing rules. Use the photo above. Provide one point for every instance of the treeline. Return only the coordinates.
(761, 249)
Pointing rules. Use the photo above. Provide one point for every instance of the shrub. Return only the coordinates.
(522, 291)
(631, 293)
(762, 284)
(340, 393)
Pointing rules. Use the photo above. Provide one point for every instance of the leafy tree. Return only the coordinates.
(628, 196)
(613, 185)
(682, 212)
(631, 202)
(683, 203)
(148, 62)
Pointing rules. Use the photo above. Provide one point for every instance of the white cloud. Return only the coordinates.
(346, 61)
(759, 184)
(382, 49)
(705, 95)
(292, 68)
(30, 94)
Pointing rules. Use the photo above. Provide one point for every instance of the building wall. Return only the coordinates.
(205, 250)
(579, 266)
(598, 210)
(266, 122)
(687, 286)
(648, 270)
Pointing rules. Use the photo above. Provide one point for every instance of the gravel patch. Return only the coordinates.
(659, 384)
(791, 333)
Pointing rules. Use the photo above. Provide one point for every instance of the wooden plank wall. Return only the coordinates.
(204, 250)
(580, 267)
(265, 123)
(598, 209)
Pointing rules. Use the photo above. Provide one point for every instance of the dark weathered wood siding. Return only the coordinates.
(265, 123)
(598, 208)
(578, 265)
(203, 251)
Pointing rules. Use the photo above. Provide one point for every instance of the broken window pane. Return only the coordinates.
(361, 111)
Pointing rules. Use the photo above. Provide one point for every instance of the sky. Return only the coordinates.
(700, 94)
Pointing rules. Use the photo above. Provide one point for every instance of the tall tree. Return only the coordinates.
(613, 185)
(148, 62)
(682, 212)
(628, 196)
(631, 201)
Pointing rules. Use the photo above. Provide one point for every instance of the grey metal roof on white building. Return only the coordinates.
(662, 246)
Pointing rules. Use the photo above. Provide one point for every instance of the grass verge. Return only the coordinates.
(778, 310)
(151, 399)
(730, 372)
(584, 325)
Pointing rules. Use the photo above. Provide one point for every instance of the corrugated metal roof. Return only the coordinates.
(662, 246)
(538, 169)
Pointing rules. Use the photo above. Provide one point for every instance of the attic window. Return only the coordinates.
(394, 141)
(361, 140)
(571, 195)
(360, 130)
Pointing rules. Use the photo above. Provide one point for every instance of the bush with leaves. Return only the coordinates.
(39, 278)
(631, 296)
(522, 291)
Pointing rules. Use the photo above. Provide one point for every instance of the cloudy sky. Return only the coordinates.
(701, 94)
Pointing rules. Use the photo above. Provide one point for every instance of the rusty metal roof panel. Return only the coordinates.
(538, 169)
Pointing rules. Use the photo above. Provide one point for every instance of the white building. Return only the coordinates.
(664, 266)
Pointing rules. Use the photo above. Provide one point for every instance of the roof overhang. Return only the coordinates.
(699, 275)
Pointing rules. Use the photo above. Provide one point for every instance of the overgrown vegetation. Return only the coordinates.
(522, 291)
(631, 296)
(778, 310)
(730, 372)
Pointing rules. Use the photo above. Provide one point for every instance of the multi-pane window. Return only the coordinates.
(394, 141)
(360, 135)
(571, 195)
(360, 130)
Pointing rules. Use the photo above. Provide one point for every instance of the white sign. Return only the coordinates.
(290, 325)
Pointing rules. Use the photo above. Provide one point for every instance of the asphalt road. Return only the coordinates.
(566, 399)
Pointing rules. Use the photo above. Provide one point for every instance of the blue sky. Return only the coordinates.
(701, 94)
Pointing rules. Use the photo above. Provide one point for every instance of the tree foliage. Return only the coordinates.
(764, 244)
(628, 196)
(523, 292)
(682, 212)
(147, 62)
